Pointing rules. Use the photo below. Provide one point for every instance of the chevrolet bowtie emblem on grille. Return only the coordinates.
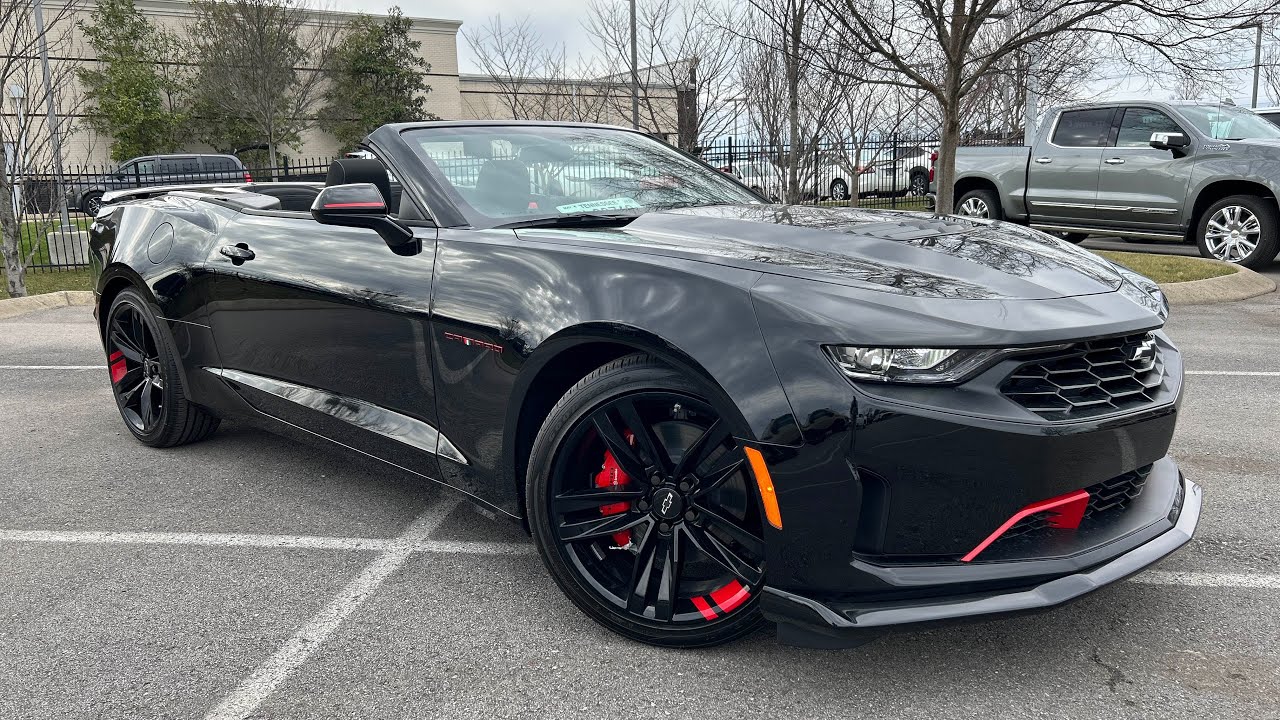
(1144, 354)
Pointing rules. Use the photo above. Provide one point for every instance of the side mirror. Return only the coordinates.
(1176, 142)
(362, 205)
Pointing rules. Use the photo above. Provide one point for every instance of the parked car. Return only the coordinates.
(1198, 173)
(85, 194)
(1272, 114)
(707, 410)
(896, 170)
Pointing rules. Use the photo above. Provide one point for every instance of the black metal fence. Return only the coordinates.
(885, 173)
(50, 242)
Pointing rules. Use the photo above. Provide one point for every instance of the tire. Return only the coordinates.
(1241, 229)
(981, 203)
(919, 186)
(839, 189)
(631, 403)
(91, 203)
(1074, 237)
(145, 380)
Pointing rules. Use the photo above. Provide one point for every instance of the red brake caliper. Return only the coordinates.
(612, 477)
(116, 361)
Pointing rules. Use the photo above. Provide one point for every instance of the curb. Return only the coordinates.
(1240, 285)
(13, 307)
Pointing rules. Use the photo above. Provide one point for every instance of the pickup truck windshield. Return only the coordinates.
(519, 173)
(1224, 122)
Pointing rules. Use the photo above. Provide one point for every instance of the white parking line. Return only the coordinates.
(1234, 373)
(306, 542)
(246, 698)
(1259, 581)
(53, 367)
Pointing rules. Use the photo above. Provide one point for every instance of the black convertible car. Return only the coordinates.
(707, 410)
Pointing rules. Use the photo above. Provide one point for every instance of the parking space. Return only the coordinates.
(248, 576)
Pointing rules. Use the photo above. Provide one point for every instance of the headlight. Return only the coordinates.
(1147, 286)
(910, 365)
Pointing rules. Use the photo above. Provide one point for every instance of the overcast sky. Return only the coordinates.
(558, 20)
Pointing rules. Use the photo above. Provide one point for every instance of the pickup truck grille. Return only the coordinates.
(1092, 378)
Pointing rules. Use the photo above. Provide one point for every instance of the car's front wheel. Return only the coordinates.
(1241, 229)
(839, 189)
(642, 508)
(145, 379)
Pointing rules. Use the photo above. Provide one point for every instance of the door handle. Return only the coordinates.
(238, 253)
(1114, 161)
(1044, 160)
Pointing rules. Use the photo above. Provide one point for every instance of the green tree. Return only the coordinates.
(376, 76)
(131, 96)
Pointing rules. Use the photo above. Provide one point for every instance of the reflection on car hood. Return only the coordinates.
(907, 253)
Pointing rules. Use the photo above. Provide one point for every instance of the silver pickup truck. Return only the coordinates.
(1198, 173)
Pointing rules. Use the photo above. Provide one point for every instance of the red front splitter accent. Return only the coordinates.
(1068, 511)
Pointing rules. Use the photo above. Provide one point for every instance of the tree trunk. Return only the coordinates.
(10, 237)
(945, 168)
(792, 60)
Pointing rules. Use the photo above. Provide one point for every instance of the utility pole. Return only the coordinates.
(1257, 65)
(54, 140)
(635, 73)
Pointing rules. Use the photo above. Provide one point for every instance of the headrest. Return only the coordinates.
(348, 171)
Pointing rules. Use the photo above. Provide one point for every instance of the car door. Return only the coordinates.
(326, 328)
(1140, 186)
(1062, 175)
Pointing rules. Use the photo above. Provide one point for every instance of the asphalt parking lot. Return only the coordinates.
(247, 576)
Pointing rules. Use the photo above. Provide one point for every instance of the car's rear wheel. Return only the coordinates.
(91, 203)
(1074, 237)
(980, 203)
(919, 184)
(145, 379)
(839, 189)
(1241, 229)
(641, 505)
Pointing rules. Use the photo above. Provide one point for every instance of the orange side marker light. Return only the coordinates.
(767, 494)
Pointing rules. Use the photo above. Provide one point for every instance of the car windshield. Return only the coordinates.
(1227, 122)
(508, 173)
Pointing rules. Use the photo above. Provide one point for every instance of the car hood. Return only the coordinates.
(899, 252)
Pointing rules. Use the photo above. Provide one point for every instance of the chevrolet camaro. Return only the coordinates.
(709, 411)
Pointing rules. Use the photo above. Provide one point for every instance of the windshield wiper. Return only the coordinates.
(579, 220)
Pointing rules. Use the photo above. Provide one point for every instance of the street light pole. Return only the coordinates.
(54, 140)
(1257, 65)
(635, 73)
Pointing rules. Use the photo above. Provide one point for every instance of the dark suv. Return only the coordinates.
(85, 194)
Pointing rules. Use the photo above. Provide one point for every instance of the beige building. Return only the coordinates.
(452, 96)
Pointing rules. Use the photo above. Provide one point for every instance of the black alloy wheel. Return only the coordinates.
(145, 379)
(919, 186)
(92, 203)
(642, 506)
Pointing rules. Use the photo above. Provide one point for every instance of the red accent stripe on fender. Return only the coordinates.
(730, 596)
(333, 206)
(704, 608)
(1068, 511)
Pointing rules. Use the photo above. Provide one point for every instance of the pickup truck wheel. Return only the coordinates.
(919, 184)
(981, 203)
(1241, 229)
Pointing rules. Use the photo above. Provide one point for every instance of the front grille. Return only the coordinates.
(1105, 498)
(1092, 378)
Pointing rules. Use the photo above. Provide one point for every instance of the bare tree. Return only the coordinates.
(532, 79)
(1270, 70)
(791, 103)
(259, 75)
(947, 47)
(1058, 70)
(26, 143)
(683, 58)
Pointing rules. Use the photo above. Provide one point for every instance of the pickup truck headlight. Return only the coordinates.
(1147, 286)
(909, 365)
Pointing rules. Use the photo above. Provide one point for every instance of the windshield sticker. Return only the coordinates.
(622, 203)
